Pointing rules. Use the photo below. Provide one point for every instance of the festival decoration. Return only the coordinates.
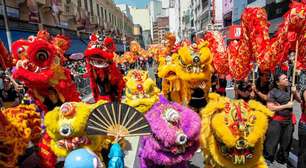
(117, 120)
(232, 133)
(255, 45)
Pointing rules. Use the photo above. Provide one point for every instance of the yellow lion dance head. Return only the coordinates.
(233, 132)
(187, 71)
(141, 91)
(66, 126)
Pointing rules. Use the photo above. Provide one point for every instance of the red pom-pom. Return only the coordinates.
(93, 37)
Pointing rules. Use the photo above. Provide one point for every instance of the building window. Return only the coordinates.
(102, 12)
(105, 14)
(110, 17)
(86, 5)
(79, 3)
(91, 8)
(68, 1)
(98, 10)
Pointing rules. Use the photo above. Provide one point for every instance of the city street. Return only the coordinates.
(131, 158)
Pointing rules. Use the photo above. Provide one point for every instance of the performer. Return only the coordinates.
(282, 124)
(106, 80)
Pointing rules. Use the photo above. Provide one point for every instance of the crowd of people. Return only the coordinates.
(272, 90)
(235, 105)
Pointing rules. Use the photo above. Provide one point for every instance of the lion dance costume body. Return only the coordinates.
(232, 133)
(38, 65)
(174, 139)
(39, 62)
(186, 74)
(18, 126)
(106, 80)
(141, 91)
(66, 127)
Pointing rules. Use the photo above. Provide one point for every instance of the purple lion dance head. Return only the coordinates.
(175, 136)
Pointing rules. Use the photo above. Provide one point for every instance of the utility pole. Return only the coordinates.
(8, 33)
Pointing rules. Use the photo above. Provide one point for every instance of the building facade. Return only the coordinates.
(155, 10)
(74, 18)
(138, 35)
(160, 28)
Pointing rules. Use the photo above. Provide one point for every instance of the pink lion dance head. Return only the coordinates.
(175, 136)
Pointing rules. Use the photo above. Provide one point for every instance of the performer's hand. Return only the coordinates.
(289, 104)
(252, 94)
(254, 88)
(293, 89)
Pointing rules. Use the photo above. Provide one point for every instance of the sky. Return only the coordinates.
(137, 3)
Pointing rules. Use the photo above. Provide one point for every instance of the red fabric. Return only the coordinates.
(50, 74)
(110, 45)
(100, 52)
(47, 157)
(281, 118)
(303, 118)
(5, 59)
(105, 50)
(116, 79)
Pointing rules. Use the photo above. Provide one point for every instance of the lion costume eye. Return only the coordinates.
(42, 55)
(65, 130)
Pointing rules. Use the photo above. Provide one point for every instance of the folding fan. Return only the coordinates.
(117, 119)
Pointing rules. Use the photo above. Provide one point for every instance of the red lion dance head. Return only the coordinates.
(38, 65)
(106, 80)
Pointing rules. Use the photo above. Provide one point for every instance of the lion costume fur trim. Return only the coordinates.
(213, 126)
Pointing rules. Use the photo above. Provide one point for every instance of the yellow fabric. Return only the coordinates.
(55, 119)
(180, 73)
(141, 91)
(20, 126)
(218, 118)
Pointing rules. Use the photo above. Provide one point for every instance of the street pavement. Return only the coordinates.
(131, 158)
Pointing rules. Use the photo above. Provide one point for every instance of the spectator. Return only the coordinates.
(262, 87)
(243, 90)
(9, 94)
(281, 126)
(214, 80)
(221, 85)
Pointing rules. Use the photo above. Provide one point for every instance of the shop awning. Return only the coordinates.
(77, 46)
(3, 37)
